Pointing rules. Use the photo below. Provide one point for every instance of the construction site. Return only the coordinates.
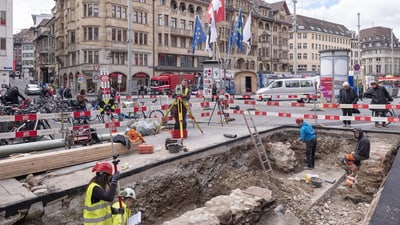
(220, 178)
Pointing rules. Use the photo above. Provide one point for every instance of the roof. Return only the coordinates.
(278, 6)
(375, 32)
(320, 26)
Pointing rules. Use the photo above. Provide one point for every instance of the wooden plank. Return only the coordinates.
(43, 162)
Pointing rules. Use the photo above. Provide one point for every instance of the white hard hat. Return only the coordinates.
(128, 193)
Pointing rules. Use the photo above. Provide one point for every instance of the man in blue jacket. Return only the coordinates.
(307, 135)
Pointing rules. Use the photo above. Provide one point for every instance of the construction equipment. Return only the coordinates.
(179, 103)
(222, 115)
(258, 144)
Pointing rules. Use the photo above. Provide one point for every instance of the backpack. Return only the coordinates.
(67, 93)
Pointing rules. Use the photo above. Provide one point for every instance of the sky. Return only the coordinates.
(372, 12)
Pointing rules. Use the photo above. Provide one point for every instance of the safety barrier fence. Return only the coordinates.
(202, 105)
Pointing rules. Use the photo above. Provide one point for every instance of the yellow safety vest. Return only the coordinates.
(98, 213)
(117, 217)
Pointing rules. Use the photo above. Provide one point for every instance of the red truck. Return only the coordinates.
(165, 83)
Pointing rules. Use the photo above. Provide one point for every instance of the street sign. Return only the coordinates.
(96, 77)
(80, 78)
(356, 67)
(119, 78)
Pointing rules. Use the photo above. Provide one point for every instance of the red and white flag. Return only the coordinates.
(218, 8)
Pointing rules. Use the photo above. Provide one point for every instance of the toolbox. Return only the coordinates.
(146, 149)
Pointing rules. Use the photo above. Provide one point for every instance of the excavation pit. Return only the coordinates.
(169, 189)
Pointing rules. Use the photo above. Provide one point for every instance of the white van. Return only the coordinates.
(285, 89)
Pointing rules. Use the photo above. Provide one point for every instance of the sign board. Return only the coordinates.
(80, 78)
(96, 77)
(356, 67)
(119, 78)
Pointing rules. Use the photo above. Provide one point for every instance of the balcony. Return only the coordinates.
(181, 32)
(263, 58)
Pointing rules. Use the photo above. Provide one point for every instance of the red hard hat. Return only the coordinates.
(299, 120)
(103, 167)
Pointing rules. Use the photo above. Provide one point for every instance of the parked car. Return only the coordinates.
(32, 89)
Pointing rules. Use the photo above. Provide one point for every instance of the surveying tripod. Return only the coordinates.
(180, 104)
(222, 114)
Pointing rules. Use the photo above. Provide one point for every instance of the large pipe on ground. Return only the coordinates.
(7, 150)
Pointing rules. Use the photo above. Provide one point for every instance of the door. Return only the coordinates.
(248, 84)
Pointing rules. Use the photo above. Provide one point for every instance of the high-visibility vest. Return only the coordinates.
(98, 213)
(117, 217)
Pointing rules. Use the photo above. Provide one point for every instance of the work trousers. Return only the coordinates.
(311, 146)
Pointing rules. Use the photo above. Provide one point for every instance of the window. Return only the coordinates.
(304, 45)
(90, 9)
(298, 55)
(3, 18)
(299, 45)
(72, 37)
(119, 12)
(140, 38)
(166, 41)
(162, 2)
(182, 24)
(160, 20)
(306, 83)
(159, 39)
(166, 20)
(190, 25)
(173, 22)
(118, 58)
(119, 35)
(292, 83)
(276, 84)
(174, 41)
(304, 55)
(167, 60)
(140, 59)
(3, 46)
(187, 61)
(91, 33)
(91, 56)
(141, 17)
(183, 42)
(304, 35)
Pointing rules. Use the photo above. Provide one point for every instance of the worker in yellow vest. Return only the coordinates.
(182, 96)
(99, 195)
(128, 199)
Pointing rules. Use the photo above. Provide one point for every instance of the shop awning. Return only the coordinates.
(140, 75)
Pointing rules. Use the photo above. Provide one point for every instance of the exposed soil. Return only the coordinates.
(169, 194)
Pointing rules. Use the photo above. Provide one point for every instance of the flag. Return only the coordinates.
(199, 36)
(212, 36)
(231, 38)
(216, 7)
(247, 34)
(239, 31)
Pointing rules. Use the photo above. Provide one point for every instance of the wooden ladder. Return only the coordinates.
(255, 137)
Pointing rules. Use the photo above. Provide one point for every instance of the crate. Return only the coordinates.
(146, 149)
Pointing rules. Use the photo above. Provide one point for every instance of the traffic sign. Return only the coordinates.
(356, 67)
(80, 79)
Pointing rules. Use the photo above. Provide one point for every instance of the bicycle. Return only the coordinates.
(387, 113)
(151, 113)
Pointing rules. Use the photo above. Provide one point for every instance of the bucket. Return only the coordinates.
(177, 134)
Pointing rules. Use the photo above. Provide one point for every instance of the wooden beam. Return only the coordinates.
(43, 162)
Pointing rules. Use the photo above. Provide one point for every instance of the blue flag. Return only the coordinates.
(239, 31)
(199, 36)
(231, 39)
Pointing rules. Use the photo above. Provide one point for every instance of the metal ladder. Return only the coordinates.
(255, 137)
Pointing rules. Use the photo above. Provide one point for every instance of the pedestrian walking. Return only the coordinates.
(378, 95)
(308, 136)
(347, 95)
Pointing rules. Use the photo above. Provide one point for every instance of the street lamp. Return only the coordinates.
(295, 37)
(359, 51)
(129, 47)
